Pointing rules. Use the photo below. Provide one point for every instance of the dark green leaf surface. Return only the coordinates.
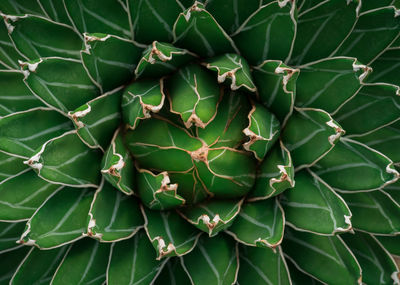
(9, 262)
(386, 67)
(10, 166)
(173, 274)
(9, 234)
(8, 55)
(390, 243)
(300, 277)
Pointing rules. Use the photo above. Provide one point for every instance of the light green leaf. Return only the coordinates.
(10, 166)
(131, 262)
(197, 30)
(378, 267)
(109, 69)
(314, 207)
(259, 223)
(67, 160)
(9, 261)
(169, 233)
(351, 166)
(189, 186)
(84, 263)
(213, 261)
(212, 216)
(386, 67)
(390, 243)
(61, 220)
(18, 137)
(97, 119)
(260, 266)
(113, 216)
(311, 252)
(268, 33)
(173, 274)
(9, 234)
(61, 83)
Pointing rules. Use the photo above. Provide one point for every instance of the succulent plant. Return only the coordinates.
(199, 142)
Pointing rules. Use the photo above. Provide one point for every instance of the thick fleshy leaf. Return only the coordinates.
(378, 267)
(393, 190)
(140, 99)
(197, 30)
(382, 211)
(173, 274)
(84, 263)
(19, 138)
(113, 216)
(157, 192)
(212, 216)
(260, 266)
(9, 234)
(8, 55)
(37, 37)
(20, 7)
(61, 220)
(38, 266)
(67, 160)
(9, 261)
(299, 278)
(92, 16)
(351, 166)
(189, 186)
(379, 26)
(374, 107)
(169, 233)
(232, 67)
(263, 131)
(61, 83)
(268, 33)
(117, 165)
(259, 223)
(386, 66)
(54, 10)
(310, 253)
(328, 83)
(318, 34)
(194, 95)
(10, 166)
(107, 68)
(131, 262)
(276, 85)
(15, 96)
(309, 135)
(275, 174)
(161, 59)
(21, 195)
(213, 261)
(97, 119)
(314, 207)
(390, 243)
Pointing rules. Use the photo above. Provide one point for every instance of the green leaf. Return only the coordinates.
(169, 233)
(260, 266)
(378, 267)
(68, 161)
(9, 261)
(363, 114)
(351, 166)
(140, 99)
(84, 263)
(97, 119)
(38, 266)
(379, 26)
(197, 30)
(161, 59)
(18, 137)
(37, 37)
(113, 216)
(299, 277)
(259, 223)
(232, 67)
(386, 66)
(61, 83)
(390, 243)
(61, 220)
(263, 131)
(329, 83)
(268, 33)
(9, 234)
(10, 166)
(20, 7)
(213, 261)
(157, 192)
(194, 95)
(109, 69)
(21, 195)
(276, 85)
(382, 211)
(315, 207)
(118, 166)
(54, 10)
(131, 262)
(393, 191)
(92, 16)
(311, 252)
(15, 95)
(309, 135)
(8, 55)
(212, 216)
(173, 274)
(368, 5)
(189, 186)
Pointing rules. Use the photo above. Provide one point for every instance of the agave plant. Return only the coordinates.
(199, 142)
